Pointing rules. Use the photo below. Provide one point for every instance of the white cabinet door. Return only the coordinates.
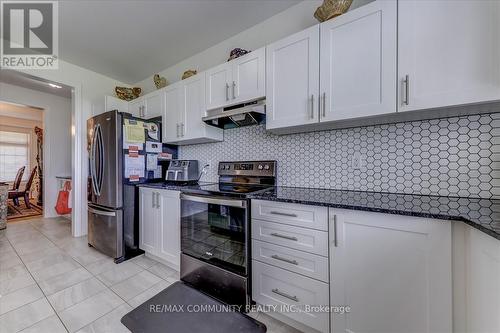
(358, 63)
(218, 86)
(114, 103)
(483, 276)
(154, 104)
(393, 271)
(193, 99)
(449, 51)
(108, 103)
(249, 76)
(148, 220)
(171, 115)
(136, 107)
(169, 227)
(292, 80)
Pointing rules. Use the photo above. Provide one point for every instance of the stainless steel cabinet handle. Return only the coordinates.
(182, 129)
(312, 106)
(153, 200)
(406, 82)
(335, 242)
(277, 257)
(283, 214)
(227, 92)
(324, 104)
(234, 87)
(177, 130)
(157, 200)
(278, 292)
(284, 236)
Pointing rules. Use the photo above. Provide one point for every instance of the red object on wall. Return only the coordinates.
(62, 205)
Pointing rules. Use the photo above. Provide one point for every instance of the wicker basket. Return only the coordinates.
(331, 8)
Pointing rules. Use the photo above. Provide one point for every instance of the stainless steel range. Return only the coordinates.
(215, 230)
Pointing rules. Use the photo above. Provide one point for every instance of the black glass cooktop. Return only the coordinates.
(229, 189)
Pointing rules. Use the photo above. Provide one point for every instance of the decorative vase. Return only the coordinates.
(331, 8)
(236, 53)
(159, 81)
(4, 191)
(189, 73)
(127, 94)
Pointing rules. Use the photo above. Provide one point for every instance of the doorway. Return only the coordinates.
(21, 159)
(51, 145)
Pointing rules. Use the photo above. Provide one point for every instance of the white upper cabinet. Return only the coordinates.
(249, 76)
(193, 94)
(358, 63)
(237, 81)
(292, 87)
(185, 107)
(136, 107)
(154, 104)
(171, 114)
(218, 81)
(109, 103)
(448, 53)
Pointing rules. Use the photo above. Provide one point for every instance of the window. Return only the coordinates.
(14, 154)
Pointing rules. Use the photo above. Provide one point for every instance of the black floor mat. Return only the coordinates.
(177, 309)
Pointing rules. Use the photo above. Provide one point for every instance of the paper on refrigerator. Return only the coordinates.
(134, 131)
(151, 162)
(134, 167)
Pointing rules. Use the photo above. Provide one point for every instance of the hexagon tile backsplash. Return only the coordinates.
(457, 156)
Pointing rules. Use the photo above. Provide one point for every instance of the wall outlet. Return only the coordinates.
(357, 161)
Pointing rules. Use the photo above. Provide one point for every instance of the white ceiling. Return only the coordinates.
(131, 40)
(33, 83)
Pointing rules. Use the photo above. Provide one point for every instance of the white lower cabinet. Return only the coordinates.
(279, 287)
(159, 224)
(394, 272)
(476, 277)
(148, 221)
(290, 262)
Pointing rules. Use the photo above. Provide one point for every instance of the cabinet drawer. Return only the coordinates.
(302, 239)
(306, 216)
(296, 261)
(276, 286)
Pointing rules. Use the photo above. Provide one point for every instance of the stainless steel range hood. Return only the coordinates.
(247, 114)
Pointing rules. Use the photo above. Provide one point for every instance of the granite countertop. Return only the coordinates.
(174, 187)
(482, 214)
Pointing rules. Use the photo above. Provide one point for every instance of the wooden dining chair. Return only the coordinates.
(16, 194)
(18, 179)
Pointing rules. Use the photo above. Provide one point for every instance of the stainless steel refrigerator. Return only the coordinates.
(112, 198)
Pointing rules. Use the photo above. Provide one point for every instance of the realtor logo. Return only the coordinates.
(29, 35)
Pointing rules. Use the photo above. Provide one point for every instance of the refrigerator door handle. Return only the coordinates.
(101, 212)
(93, 177)
(100, 176)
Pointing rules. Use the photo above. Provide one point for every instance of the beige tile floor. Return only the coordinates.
(52, 282)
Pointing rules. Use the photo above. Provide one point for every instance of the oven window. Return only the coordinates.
(215, 233)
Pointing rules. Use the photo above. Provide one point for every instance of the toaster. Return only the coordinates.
(183, 171)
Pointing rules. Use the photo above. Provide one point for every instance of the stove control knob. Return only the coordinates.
(260, 167)
(266, 167)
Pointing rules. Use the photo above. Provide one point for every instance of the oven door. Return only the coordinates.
(215, 230)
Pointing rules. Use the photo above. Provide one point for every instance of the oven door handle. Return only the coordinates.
(215, 200)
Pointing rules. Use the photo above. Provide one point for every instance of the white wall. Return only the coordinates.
(88, 86)
(290, 21)
(57, 136)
